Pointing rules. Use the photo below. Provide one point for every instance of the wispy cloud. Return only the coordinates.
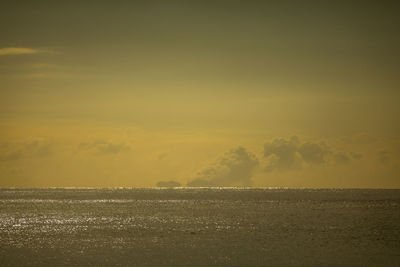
(20, 51)
(104, 147)
(23, 150)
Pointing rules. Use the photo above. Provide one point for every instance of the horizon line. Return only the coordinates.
(205, 187)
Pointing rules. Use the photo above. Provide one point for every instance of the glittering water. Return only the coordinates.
(199, 227)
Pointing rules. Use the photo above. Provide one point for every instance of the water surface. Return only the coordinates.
(199, 227)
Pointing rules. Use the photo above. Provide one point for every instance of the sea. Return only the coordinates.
(199, 227)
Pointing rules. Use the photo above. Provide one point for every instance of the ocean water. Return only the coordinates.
(199, 227)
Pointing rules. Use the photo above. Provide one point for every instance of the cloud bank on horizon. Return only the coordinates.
(234, 168)
(281, 155)
(282, 162)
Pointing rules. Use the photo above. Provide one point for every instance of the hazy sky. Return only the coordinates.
(209, 93)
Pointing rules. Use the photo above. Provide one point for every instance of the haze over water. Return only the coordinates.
(204, 93)
(199, 227)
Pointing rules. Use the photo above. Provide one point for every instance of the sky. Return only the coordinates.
(200, 93)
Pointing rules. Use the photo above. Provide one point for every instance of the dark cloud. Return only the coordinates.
(32, 149)
(284, 153)
(341, 158)
(39, 149)
(235, 168)
(288, 154)
(168, 184)
(356, 155)
(113, 148)
(10, 156)
(90, 145)
(313, 153)
(103, 147)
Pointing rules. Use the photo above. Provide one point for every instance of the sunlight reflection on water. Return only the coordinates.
(152, 227)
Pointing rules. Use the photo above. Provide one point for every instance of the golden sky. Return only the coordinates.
(205, 93)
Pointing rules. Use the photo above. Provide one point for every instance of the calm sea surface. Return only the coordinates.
(199, 227)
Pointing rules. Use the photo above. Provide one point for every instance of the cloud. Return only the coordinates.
(234, 168)
(282, 154)
(31, 149)
(14, 155)
(360, 139)
(103, 147)
(341, 158)
(289, 154)
(168, 184)
(19, 51)
(356, 155)
(113, 148)
(313, 153)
